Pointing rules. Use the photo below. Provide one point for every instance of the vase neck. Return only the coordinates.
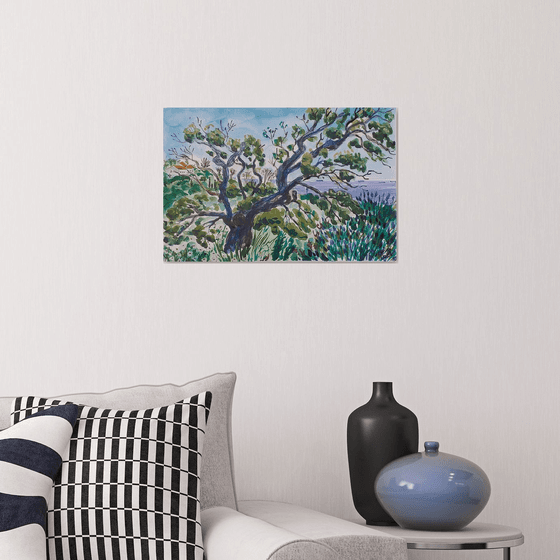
(382, 391)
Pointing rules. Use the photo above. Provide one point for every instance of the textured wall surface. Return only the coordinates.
(465, 325)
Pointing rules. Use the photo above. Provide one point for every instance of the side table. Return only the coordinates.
(472, 537)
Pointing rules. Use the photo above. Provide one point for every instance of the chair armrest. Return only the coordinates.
(230, 535)
(349, 540)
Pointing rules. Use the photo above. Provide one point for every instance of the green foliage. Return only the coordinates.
(346, 176)
(233, 189)
(183, 211)
(330, 117)
(307, 167)
(190, 253)
(296, 223)
(294, 231)
(370, 236)
(319, 201)
(215, 136)
(175, 188)
(315, 114)
(343, 116)
(273, 218)
(203, 236)
(247, 203)
(181, 208)
(371, 148)
(297, 132)
(335, 133)
(353, 161)
(192, 133)
(267, 188)
(284, 248)
(254, 149)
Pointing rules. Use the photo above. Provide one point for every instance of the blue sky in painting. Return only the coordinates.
(248, 121)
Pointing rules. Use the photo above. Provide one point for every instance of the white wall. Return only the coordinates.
(466, 324)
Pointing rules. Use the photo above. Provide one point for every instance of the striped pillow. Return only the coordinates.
(30, 458)
(129, 484)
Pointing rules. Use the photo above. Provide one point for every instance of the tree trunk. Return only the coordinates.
(240, 226)
(240, 234)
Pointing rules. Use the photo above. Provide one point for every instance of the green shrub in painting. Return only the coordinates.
(368, 236)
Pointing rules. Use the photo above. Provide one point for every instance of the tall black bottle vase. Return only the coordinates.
(378, 432)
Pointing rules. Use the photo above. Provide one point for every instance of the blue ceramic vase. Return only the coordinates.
(432, 491)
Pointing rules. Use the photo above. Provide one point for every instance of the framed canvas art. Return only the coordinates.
(277, 185)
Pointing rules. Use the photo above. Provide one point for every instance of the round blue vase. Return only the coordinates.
(432, 491)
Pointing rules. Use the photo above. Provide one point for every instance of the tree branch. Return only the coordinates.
(225, 165)
(239, 181)
(191, 218)
(259, 177)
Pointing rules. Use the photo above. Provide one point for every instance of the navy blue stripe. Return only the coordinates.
(18, 511)
(30, 455)
(67, 411)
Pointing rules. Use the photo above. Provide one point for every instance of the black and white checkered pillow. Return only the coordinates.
(129, 486)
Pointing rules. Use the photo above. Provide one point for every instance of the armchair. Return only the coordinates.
(235, 529)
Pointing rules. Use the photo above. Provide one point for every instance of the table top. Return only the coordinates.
(473, 536)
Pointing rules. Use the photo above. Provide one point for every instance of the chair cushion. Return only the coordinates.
(217, 481)
(231, 535)
(30, 458)
(129, 483)
(351, 541)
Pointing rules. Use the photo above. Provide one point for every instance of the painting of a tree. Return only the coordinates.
(314, 184)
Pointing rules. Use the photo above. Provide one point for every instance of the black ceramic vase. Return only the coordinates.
(379, 432)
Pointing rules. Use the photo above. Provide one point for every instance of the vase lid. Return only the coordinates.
(431, 446)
